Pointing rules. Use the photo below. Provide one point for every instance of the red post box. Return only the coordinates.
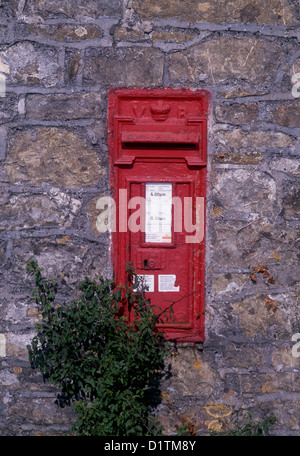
(158, 142)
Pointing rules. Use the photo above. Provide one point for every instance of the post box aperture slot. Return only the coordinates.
(160, 141)
(159, 146)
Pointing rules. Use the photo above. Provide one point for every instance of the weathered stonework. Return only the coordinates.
(26, 211)
(91, 9)
(8, 108)
(239, 140)
(52, 156)
(57, 61)
(237, 114)
(272, 12)
(73, 33)
(178, 37)
(287, 114)
(64, 107)
(144, 67)
(32, 64)
(226, 60)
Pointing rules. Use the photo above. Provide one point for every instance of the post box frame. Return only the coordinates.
(159, 131)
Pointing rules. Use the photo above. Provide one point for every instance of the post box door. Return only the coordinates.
(158, 174)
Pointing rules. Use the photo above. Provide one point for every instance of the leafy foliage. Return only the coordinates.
(102, 361)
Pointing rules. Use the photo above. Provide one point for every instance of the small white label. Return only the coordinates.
(158, 212)
(167, 283)
(146, 281)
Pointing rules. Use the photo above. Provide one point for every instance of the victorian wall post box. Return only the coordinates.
(158, 142)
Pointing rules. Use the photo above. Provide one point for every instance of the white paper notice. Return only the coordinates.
(146, 281)
(166, 282)
(158, 212)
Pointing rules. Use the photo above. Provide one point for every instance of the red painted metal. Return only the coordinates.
(158, 136)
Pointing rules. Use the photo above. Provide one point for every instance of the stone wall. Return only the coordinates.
(58, 58)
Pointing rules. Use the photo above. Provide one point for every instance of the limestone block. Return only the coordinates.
(290, 166)
(177, 37)
(191, 377)
(291, 204)
(31, 64)
(8, 379)
(58, 8)
(295, 68)
(8, 107)
(24, 211)
(9, 9)
(66, 258)
(41, 411)
(266, 11)
(256, 242)
(226, 59)
(142, 67)
(286, 114)
(255, 318)
(65, 106)
(4, 34)
(17, 345)
(67, 33)
(251, 193)
(125, 34)
(240, 90)
(282, 357)
(249, 357)
(244, 158)
(237, 114)
(52, 155)
(228, 283)
(13, 309)
(238, 139)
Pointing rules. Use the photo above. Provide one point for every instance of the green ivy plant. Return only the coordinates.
(102, 362)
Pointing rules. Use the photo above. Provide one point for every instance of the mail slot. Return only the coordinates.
(158, 142)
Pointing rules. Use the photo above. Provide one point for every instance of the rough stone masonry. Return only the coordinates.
(58, 58)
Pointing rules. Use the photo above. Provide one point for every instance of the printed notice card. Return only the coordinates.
(158, 212)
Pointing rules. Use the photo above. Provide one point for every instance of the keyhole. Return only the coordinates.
(145, 263)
